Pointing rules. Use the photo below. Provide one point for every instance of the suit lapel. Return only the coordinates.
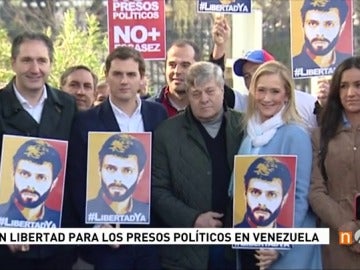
(233, 136)
(193, 131)
(146, 116)
(51, 114)
(14, 114)
(107, 116)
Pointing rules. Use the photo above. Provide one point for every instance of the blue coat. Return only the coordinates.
(100, 118)
(291, 139)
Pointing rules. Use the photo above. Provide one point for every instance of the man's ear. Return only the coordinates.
(99, 169)
(13, 60)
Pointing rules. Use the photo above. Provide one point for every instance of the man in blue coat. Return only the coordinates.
(122, 111)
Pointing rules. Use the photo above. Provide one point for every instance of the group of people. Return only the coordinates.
(197, 131)
(82, 83)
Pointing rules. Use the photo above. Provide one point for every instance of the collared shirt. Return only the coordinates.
(36, 110)
(178, 108)
(133, 123)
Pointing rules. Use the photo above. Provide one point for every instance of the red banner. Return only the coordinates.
(139, 24)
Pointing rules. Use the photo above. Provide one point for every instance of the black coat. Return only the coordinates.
(56, 120)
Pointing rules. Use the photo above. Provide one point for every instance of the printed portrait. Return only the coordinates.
(321, 36)
(264, 191)
(32, 182)
(118, 178)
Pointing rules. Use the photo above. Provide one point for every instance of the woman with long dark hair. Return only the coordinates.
(336, 160)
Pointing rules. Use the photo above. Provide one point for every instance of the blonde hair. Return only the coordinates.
(290, 114)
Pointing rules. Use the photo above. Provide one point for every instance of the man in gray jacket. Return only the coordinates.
(191, 174)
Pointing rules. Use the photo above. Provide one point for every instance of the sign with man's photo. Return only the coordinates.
(32, 182)
(321, 36)
(118, 178)
(264, 193)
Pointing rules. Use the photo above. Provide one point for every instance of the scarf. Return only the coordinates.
(258, 135)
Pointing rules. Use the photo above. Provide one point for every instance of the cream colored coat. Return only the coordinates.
(332, 200)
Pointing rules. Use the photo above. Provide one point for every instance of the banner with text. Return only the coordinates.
(138, 24)
(224, 6)
(264, 237)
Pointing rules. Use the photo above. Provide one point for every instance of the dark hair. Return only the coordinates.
(21, 38)
(38, 151)
(124, 53)
(325, 5)
(181, 43)
(123, 145)
(72, 69)
(331, 115)
(268, 169)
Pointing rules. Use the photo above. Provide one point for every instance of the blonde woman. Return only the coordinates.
(273, 126)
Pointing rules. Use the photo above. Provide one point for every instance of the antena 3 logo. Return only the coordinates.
(347, 238)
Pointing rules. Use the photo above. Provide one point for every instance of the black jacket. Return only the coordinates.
(56, 120)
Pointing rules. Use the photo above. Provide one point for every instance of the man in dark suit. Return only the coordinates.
(30, 107)
(122, 111)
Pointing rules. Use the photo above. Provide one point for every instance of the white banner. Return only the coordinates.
(163, 236)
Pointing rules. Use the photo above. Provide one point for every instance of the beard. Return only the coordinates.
(319, 50)
(116, 197)
(29, 203)
(180, 91)
(262, 222)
